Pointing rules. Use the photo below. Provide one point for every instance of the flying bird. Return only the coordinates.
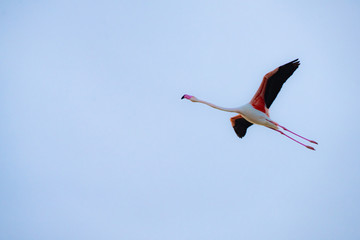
(257, 110)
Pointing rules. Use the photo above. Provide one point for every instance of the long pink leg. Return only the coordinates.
(309, 147)
(312, 141)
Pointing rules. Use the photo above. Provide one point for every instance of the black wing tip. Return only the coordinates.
(241, 135)
(241, 126)
(295, 62)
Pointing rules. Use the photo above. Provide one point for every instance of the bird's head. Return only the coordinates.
(188, 97)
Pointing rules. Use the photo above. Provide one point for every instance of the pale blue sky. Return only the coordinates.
(96, 143)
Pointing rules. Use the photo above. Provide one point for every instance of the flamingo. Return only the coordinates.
(257, 110)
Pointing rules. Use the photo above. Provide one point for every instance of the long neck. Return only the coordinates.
(217, 107)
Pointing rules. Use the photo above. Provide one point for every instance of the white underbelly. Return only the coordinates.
(255, 116)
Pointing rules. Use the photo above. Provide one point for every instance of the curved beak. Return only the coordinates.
(183, 97)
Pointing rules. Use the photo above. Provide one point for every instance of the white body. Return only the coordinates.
(255, 116)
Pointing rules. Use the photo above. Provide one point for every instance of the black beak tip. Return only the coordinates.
(183, 97)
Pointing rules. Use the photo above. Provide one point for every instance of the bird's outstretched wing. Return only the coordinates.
(240, 125)
(271, 85)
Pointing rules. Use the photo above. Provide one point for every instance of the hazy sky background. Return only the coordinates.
(96, 143)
